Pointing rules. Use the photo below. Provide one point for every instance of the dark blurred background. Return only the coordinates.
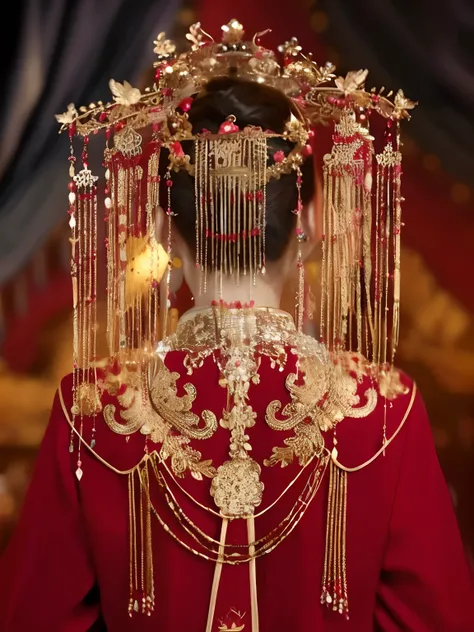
(54, 52)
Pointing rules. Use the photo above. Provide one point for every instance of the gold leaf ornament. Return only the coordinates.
(69, 116)
(353, 81)
(402, 105)
(124, 93)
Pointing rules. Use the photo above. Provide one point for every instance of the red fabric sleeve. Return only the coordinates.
(46, 574)
(425, 584)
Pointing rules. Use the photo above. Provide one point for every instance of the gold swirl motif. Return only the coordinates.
(177, 410)
(324, 398)
(304, 397)
(160, 411)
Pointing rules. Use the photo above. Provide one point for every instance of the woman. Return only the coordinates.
(245, 479)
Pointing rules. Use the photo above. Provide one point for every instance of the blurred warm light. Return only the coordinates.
(431, 162)
(319, 21)
(147, 262)
(460, 193)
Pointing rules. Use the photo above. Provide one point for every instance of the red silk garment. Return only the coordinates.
(67, 566)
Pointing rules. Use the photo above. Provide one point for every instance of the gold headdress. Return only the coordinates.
(231, 167)
(362, 199)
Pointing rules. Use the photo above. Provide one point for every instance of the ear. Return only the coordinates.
(161, 232)
(308, 224)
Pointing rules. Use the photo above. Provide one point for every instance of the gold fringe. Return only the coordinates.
(334, 584)
(142, 586)
(361, 243)
(230, 191)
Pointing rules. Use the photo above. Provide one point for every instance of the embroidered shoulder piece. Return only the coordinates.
(321, 396)
(166, 418)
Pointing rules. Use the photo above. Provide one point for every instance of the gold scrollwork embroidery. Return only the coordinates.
(167, 419)
(177, 410)
(320, 398)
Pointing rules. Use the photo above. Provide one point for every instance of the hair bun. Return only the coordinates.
(250, 103)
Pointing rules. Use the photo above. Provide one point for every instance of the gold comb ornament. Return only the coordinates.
(231, 167)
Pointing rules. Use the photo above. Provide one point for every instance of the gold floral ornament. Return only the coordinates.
(233, 32)
(291, 48)
(124, 93)
(163, 47)
(296, 131)
(197, 36)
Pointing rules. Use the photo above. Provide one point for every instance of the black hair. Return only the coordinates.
(257, 105)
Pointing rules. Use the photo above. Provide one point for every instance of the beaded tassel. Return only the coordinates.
(230, 201)
(334, 585)
(141, 574)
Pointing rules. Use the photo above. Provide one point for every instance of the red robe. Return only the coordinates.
(67, 566)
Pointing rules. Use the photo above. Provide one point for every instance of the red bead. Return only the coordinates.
(103, 116)
(71, 186)
(228, 127)
(169, 183)
(186, 104)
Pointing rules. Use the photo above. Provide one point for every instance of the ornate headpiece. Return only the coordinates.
(231, 168)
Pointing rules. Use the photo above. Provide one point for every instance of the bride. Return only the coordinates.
(242, 475)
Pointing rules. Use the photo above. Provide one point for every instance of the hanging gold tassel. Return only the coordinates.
(361, 244)
(230, 181)
(346, 242)
(83, 223)
(387, 259)
(334, 584)
(142, 587)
